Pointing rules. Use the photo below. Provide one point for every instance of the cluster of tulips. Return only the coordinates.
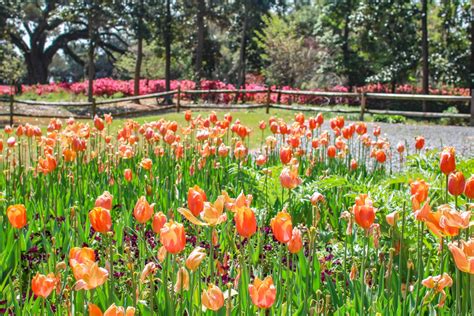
(153, 218)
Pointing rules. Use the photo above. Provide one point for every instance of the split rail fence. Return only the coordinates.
(177, 95)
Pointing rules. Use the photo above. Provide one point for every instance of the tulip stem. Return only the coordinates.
(362, 274)
(152, 290)
(419, 264)
(211, 257)
(471, 286)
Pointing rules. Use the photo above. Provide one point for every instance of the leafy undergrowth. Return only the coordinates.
(166, 218)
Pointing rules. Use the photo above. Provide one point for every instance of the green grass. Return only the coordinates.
(250, 118)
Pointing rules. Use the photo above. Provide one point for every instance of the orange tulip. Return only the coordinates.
(81, 255)
(245, 222)
(100, 219)
(146, 163)
(114, 310)
(285, 155)
(143, 211)
(94, 310)
(438, 283)
(172, 237)
(295, 244)
(262, 293)
(447, 161)
(444, 222)
(456, 183)
(289, 178)
(282, 226)
(182, 280)
(469, 188)
(317, 198)
(464, 255)
(42, 285)
(364, 212)
(419, 193)
(98, 123)
(69, 155)
(127, 174)
(104, 201)
(17, 215)
(195, 258)
(392, 218)
(331, 151)
(212, 298)
(419, 142)
(159, 220)
(213, 213)
(91, 276)
(196, 199)
(380, 156)
(354, 164)
(47, 165)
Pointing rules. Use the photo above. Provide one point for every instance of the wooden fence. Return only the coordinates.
(177, 95)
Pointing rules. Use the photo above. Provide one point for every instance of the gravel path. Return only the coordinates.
(436, 136)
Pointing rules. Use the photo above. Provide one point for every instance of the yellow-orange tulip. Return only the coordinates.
(104, 200)
(444, 222)
(392, 218)
(159, 220)
(92, 276)
(212, 298)
(143, 211)
(195, 258)
(182, 280)
(464, 255)
(438, 284)
(42, 285)
(262, 293)
(146, 163)
(100, 219)
(282, 226)
(245, 221)
(296, 243)
(81, 255)
(196, 199)
(289, 178)
(17, 215)
(172, 237)
(114, 310)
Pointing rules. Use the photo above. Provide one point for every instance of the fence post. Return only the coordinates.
(11, 109)
(94, 107)
(178, 102)
(363, 104)
(268, 100)
(472, 108)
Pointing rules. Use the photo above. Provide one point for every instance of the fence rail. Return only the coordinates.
(362, 97)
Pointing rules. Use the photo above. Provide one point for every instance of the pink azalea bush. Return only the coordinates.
(110, 87)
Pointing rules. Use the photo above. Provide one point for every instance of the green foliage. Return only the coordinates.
(389, 118)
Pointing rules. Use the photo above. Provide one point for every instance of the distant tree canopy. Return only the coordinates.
(300, 43)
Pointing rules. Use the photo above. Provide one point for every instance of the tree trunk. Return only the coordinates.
(201, 8)
(424, 49)
(37, 68)
(242, 54)
(138, 62)
(91, 68)
(345, 46)
(168, 39)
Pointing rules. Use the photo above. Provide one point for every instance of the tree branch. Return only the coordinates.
(19, 42)
(68, 51)
(62, 40)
